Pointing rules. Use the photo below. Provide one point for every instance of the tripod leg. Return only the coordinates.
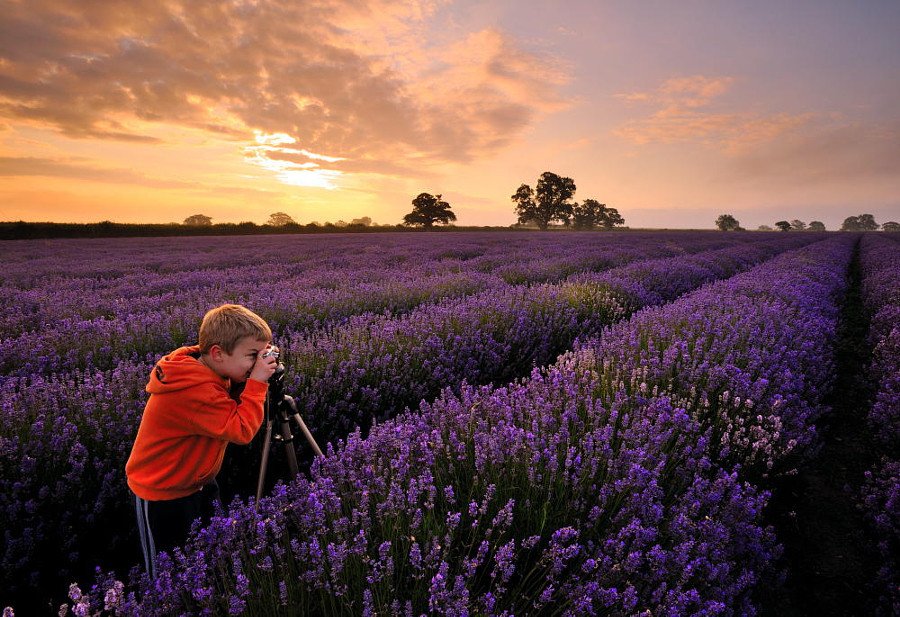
(289, 446)
(264, 462)
(296, 415)
(309, 437)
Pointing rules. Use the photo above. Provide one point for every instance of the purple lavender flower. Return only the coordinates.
(581, 441)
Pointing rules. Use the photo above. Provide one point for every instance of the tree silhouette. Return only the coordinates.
(427, 210)
(279, 219)
(816, 226)
(798, 225)
(783, 225)
(867, 222)
(863, 222)
(550, 202)
(891, 226)
(608, 218)
(727, 222)
(584, 215)
(198, 219)
(592, 214)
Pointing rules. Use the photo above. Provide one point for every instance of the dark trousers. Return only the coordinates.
(163, 525)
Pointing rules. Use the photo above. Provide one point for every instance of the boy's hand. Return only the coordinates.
(264, 367)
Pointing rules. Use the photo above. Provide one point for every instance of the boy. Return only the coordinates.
(190, 418)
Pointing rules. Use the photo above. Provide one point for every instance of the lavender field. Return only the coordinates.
(516, 423)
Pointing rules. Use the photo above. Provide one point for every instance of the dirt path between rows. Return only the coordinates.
(828, 559)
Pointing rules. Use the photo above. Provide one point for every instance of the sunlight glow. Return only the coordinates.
(288, 171)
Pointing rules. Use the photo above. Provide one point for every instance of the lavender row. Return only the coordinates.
(375, 366)
(150, 326)
(880, 496)
(105, 263)
(594, 487)
(141, 314)
(880, 263)
(40, 278)
(711, 346)
(88, 417)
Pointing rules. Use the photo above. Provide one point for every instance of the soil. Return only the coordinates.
(828, 560)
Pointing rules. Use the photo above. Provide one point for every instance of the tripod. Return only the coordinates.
(282, 409)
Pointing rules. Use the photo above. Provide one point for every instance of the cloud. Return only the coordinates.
(484, 92)
(78, 169)
(82, 169)
(829, 151)
(808, 150)
(694, 91)
(680, 92)
(345, 79)
(682, 116)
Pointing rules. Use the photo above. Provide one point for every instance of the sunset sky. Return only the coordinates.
(672, 112)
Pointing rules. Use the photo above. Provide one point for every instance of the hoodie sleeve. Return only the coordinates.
(218, 415)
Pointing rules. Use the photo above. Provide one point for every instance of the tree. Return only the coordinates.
(585, 215)
(783, 225)
(764, 228)
(198, 219)
(279, 219)
(364, 221)
(863, 222)
(851, 223)
(867, 222)
(592, 214)
(726, 222)
(609, 218)
(817, 226)
(427, 210)
(891, 226)
(798, 225)
(550, 202)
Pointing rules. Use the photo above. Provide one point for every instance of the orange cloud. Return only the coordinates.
(82, 170)
(695, 91)
(828, 152)
(681, 117)
(679, 92)
(338, 76)
(485, 91)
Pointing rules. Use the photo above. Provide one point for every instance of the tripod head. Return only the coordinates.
(276, 387)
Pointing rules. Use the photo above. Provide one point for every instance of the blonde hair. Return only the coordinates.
(226, 325)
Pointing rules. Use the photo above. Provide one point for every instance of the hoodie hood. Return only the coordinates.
(179, 370)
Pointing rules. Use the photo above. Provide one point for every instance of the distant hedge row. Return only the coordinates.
(21, 230)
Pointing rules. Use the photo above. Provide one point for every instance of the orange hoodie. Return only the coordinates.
(188, 421)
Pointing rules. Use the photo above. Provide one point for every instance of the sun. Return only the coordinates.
(270, 152)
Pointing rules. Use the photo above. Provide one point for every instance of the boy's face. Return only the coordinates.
(238, 365)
